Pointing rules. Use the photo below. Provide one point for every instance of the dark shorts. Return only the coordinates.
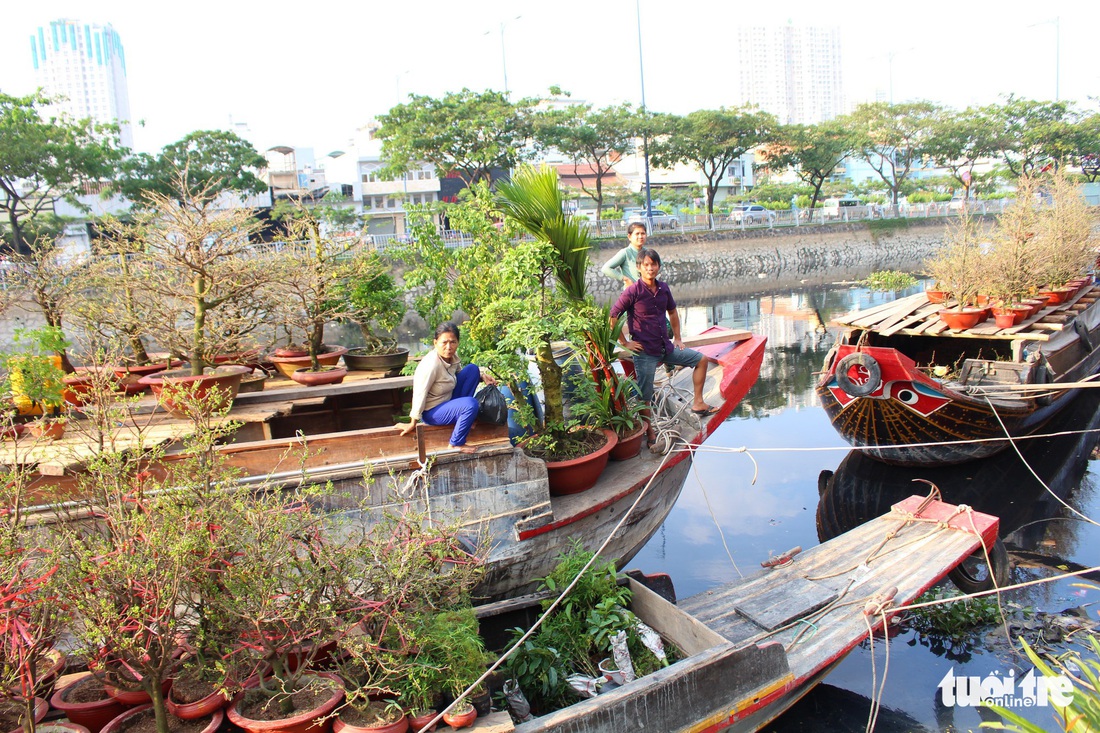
(645, 367)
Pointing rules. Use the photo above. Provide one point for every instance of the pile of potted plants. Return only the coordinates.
(35, 381)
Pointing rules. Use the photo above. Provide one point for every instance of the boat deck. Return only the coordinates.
(915, 316)
(814, 606)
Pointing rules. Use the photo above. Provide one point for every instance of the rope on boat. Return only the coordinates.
(557, 601)
(847, 448)
(1012, 442)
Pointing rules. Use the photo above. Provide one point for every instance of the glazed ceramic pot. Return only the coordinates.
(960, 320)
(287, 364)
(225, 379)
(462, 719)
(420, 719)
(41, 707)
(1004, 320)
(398, 726)
(327, 375)
(359, 360)
(48, 429)
(200, 708)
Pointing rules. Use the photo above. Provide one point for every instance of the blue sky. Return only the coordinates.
(309, 74)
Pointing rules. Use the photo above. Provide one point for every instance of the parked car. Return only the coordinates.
(658, 219)
(751, 214)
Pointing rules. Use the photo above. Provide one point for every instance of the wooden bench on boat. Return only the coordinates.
(915, 316)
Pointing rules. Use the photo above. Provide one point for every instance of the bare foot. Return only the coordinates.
(465, 448)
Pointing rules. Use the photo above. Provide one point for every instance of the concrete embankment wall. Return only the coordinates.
(783, 257)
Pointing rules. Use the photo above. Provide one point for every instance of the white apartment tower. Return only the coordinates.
(791, 71)
(85, 64)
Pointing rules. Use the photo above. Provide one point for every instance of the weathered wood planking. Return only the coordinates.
(925, 553)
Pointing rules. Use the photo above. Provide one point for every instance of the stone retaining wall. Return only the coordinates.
(783, 256)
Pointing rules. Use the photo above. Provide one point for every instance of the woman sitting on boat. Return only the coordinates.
(443, 393)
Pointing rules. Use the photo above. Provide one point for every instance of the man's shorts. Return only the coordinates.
(645, 367)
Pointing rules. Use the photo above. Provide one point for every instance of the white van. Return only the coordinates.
(847, 206)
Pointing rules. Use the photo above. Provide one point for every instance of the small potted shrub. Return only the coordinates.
(35, 379)
(377, 304)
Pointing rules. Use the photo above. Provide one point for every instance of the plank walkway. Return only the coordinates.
(915, 316)
(839, 578)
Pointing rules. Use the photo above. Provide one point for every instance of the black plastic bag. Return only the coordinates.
(492, 406)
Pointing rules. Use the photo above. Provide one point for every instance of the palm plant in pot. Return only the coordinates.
(534, 314)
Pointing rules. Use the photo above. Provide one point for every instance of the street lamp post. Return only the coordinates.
(645, 131)
(1057, 23)
(503, 55)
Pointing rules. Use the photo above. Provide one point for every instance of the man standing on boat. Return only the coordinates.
(623, 265)
(650, 309)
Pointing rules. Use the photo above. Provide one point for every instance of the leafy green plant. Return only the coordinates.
(1083, 713)
(33, 370)
(889, 281)
(956, 621)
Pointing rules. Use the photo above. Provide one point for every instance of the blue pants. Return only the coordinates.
(461, 409)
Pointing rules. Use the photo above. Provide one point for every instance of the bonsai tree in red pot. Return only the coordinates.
(315, 272)
(32, 614)
(141, 582)
(959, 268)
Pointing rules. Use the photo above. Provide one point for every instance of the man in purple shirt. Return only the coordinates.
(649, 309)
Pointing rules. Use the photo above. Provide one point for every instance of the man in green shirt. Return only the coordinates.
(623, 265)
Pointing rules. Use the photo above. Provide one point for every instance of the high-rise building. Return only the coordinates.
(791, 71)
(84, 63)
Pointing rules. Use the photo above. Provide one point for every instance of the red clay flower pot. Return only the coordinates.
(41, 707)
(462, 719)
(120, 722)
(92, 715)
(580, 474)
(1058, 295)
(208, 705)
(60, 726)
(629, 445)
(1004, 320)
(935, 296)
(398, 726)
(131, 697)
(313, 721)
(960, 320)
(421, 719)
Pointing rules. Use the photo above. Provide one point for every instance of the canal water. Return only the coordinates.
(810, 486)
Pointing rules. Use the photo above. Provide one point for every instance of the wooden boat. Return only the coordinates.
(755, 646)
(344, 434)
(880, 389)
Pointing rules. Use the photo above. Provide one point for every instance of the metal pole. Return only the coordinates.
(645, 132)
(503, 59)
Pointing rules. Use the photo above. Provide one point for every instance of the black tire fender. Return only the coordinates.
(874, 374)
(973, 575)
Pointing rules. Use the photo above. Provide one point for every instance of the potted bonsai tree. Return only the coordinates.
(958, 268)
(204, 278)
(1064, 232)
(377, 304)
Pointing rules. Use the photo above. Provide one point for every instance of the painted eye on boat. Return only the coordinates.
(907, 396)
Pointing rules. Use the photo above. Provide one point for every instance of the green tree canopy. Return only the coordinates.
(712, 140)
(44, 160)
(813, 151)
(210, 161)
(959, 139)
(468, 133)
(1032, 134)
(594, 139)
(893, 139)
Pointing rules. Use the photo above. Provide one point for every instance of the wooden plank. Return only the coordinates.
(723, 337)
(672, 623)
(799, 598)
(903, 315)
(281, 390)
(912, 320)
